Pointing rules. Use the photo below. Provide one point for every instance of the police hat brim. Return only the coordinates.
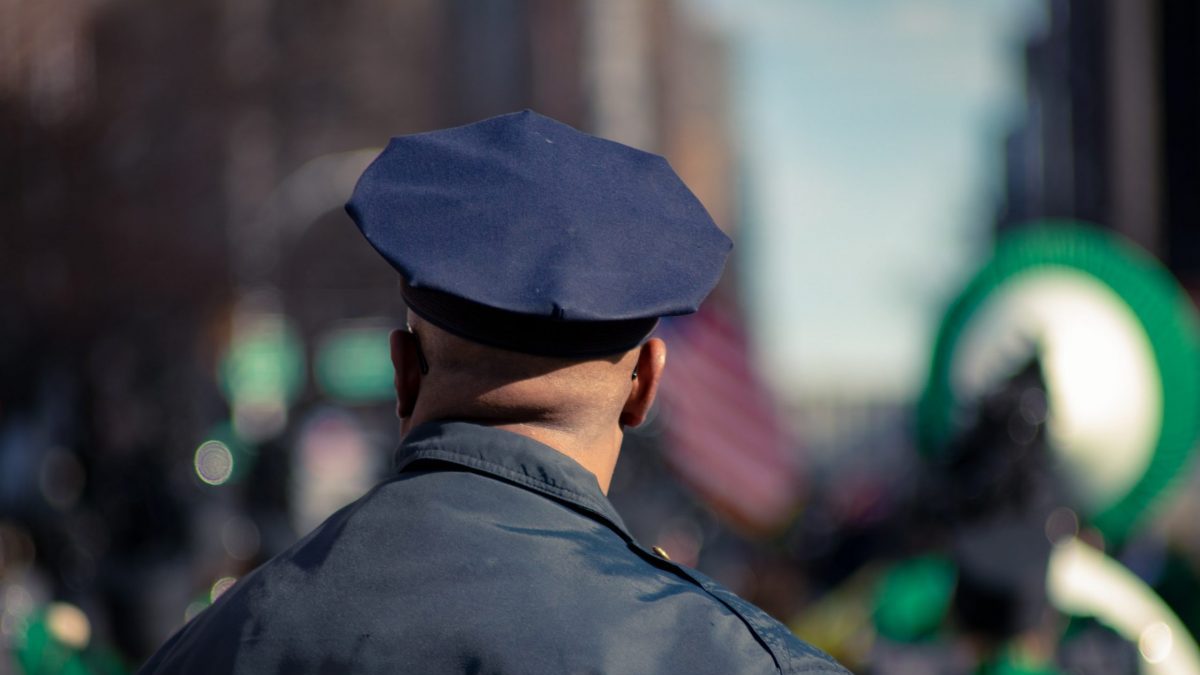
(526, 333)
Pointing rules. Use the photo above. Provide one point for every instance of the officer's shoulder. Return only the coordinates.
(792, 654)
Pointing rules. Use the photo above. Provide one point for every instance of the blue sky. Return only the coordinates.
(870, 133)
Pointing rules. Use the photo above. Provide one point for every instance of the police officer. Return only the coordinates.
(535, 262)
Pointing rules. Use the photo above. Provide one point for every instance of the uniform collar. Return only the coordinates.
(512, 457)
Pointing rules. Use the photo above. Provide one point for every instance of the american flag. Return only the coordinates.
(723, 432)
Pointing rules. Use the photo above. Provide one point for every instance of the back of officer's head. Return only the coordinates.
(467, 380)
(535, 261)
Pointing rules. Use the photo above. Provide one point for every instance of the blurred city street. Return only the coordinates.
(939, 415)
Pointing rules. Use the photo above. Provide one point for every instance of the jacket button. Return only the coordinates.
(660, 553)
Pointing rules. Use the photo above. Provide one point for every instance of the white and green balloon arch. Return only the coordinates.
(1118, 343)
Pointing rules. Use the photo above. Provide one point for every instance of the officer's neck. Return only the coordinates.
(594, 447)
(597, 451)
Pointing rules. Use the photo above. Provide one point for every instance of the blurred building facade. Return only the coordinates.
(1110, 135)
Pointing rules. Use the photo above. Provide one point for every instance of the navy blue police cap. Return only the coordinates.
(523, 233)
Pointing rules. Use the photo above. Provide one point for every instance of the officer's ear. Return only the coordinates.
(652, 357)
(406, 361)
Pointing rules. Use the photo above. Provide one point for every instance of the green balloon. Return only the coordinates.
(913, 598)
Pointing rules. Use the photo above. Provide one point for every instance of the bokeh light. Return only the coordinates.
(194, 608)
(1155, 642)
(1062, 523)
(214, 462)
(220, 586)
(17, 605)
(683, 540)
(240, 538)
(351, 363)
(69, 625)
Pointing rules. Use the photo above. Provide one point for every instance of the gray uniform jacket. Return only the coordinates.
(485, 552)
